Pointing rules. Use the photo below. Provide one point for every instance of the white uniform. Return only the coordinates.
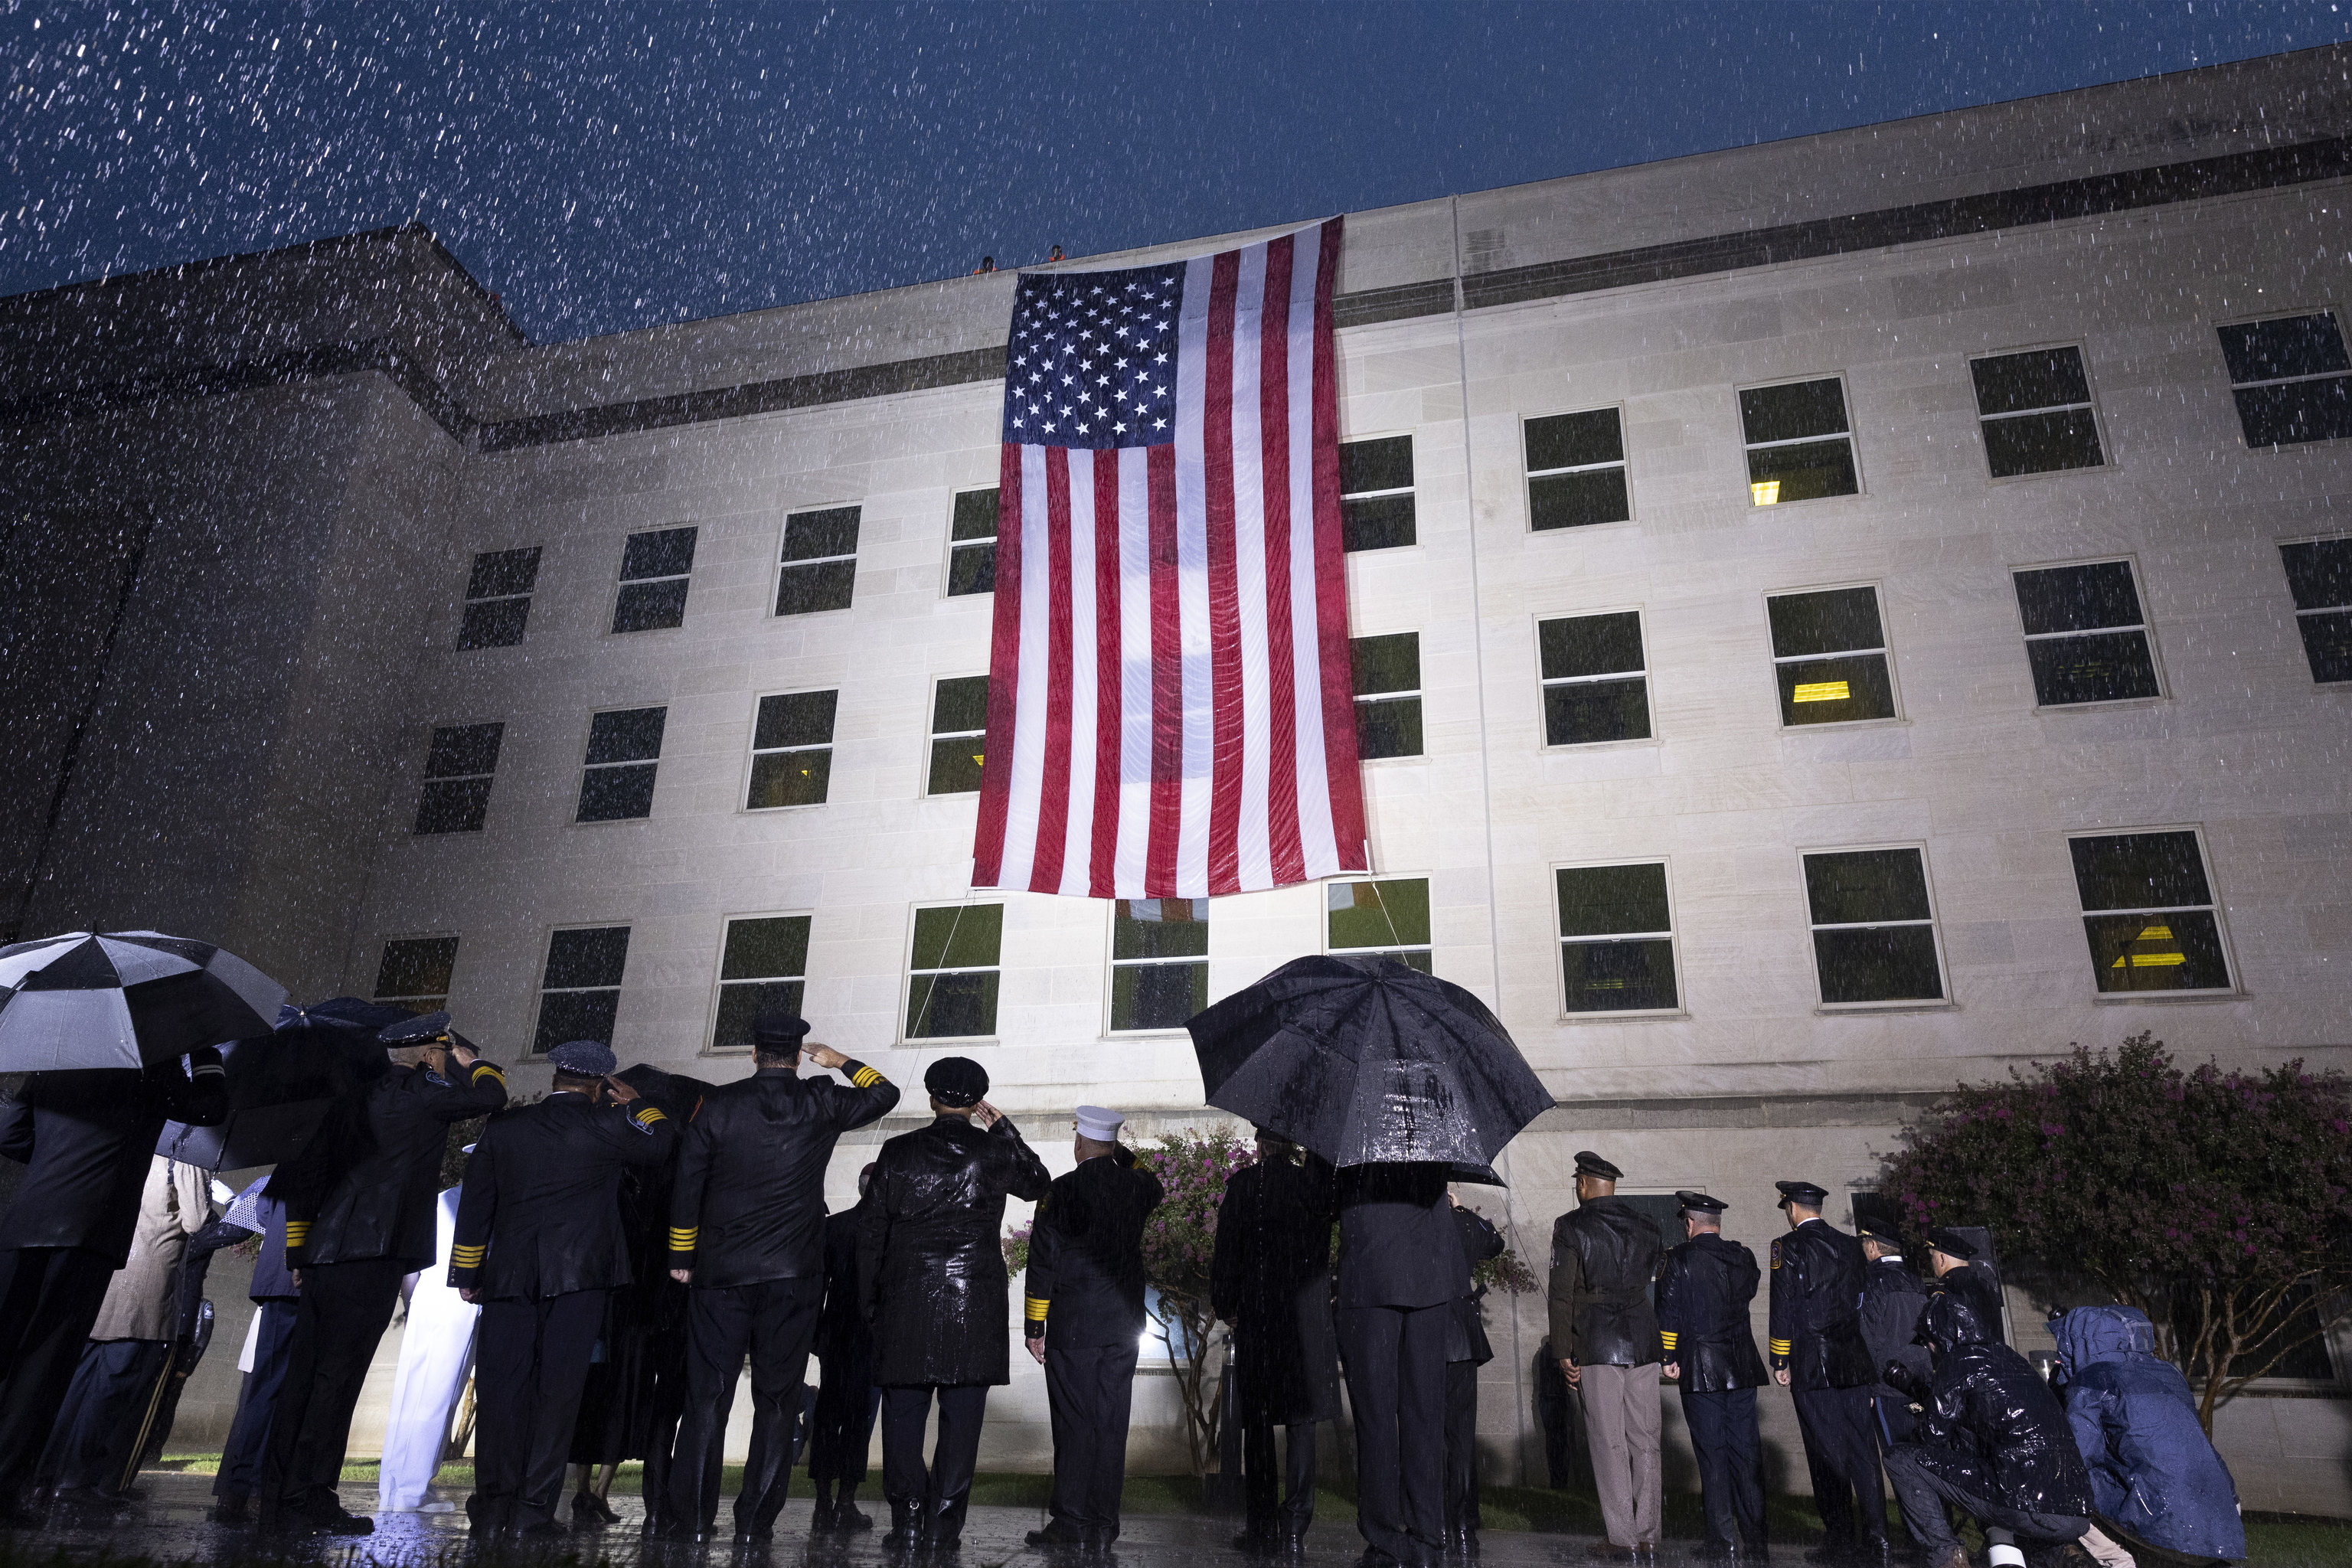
(435, 1349)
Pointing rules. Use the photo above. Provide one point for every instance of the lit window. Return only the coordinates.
(952, 972)
(1576, 470)
(2319, 575)
(791, 749)
(1874, 927)
(2148, 910)
(498, 598)
(1616, 939)
(414, 972)
(820, 562)
(971, 548)
(2035, 409)
(762, 966)
(959, 734)
(1829, 657)
(2084, 635)
(1388, 695)
(2290, 378)
(1158, 963)
(1798, 444)
(1387, 917)
(654, 575)
(1376, 493)
(458, 771)
(580, 991)
(1595, 685)
(624, 749)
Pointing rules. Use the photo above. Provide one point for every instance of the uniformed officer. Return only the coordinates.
(1084, 1321)
(1953, 1257)
(1704, 1292)
(1892, 1301)
(1604, 1256)
(746, 1232)
(539, 1244)
(1466, 1350)
(841, 1430)
(1818, 1354)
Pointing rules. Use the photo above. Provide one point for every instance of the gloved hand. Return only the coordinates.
(1905, 1381)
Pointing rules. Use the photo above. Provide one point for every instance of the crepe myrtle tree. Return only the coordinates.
(2217, 1203)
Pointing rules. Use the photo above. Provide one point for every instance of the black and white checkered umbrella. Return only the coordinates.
(123, 998)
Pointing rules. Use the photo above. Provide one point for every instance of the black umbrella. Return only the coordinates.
(1369, 1061)
(279, 1084)
(673, 1093)
(122, 999)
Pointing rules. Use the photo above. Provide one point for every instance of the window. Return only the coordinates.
(952, 974)
(1387, 917)
(791, 749)
(1158, 963)
(1829, 657)
(958, 733)
(820, 568)
(2084, 635)
(971, 544)
(1873, 929)
(761, 965)
(581, 990)
(1376, 493)
(2148, 912)
(654, 568)
(414, 972)
(1576, 470)
(2289, 377)
(1595, 685)
(2036, 411)
(498, 598)
(1616, 939)
(618, 781)
(457, 769)
(2319, 575)
(1388, 695)
(1799, 447)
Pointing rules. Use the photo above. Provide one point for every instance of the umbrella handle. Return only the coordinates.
(154, 1405)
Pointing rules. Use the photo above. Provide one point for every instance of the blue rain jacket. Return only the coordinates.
(2153, 1471)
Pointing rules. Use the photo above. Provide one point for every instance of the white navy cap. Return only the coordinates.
(1099, 1124)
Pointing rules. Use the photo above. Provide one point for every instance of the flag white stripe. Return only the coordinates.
(1192, 578)
(1028, 760)
(1078, 843)
(1254, 860)
(1315, 836)
(1135, 666)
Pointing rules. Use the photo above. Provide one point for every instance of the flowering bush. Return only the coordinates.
(1505, 1272)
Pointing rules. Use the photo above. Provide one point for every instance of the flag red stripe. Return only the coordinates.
(1109, 676)
(1167, 677)
(1274, 438)
(1331, 577)
(1054, 788)
(1003, 673)
(1225, 587)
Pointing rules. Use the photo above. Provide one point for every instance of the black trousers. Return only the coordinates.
(50, 1297)
(1922, 1493)
(774, 1322)
(345, 1310)
(1891, 1417)
(843, 1428)
(248, 1433)
(944, 1491)
(1090, 1391)
(107, 1403)
(1843, 1455)
(1731, 1485)
(1395, 1359)
(1460, 1447)
(529, 1367)
(1278, 1502)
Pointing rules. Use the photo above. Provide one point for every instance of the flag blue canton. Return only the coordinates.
(1092, 359)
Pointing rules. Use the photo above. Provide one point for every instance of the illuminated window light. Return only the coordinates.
(1765, 492)
(1823, 692)
(2152, 960)
(2155, 933)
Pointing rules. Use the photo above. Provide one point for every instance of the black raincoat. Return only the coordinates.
(1270, 1277)
(1704, 1294)
(1993, 1427)
(1604, 1254)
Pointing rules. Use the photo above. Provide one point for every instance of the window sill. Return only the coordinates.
(1573, 748)
(2167, 998)
(1808, 500)
(931, 1042)
(1661, 1015)
(608, 633)
(1993, 478)
(1575, 530)
(1850, 1009)
(610, 821)
(773, 810)
(1122, 1037)
(2155, 701)
(806, 614)
(1897, 723)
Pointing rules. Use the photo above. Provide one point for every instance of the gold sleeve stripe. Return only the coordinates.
(866, 1077)
(297, 1231)
(1035, 1308)
(468, 1257)
(1670, 1336)
(684, 1240)
(1779, 1347)
(481, 1067)
(648, 1116)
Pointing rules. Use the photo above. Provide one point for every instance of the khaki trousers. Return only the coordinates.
(1621, 1428)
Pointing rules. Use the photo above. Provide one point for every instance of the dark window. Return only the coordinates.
(791, 749)
(1384, 919)
(623, 749)
(971, 548)
(952, 976)
(1388, 695)
(2319, 575)
(654, 575)
(580, 991)
(1576, 470)
(1616, 939)
(1596, 686)
(414, 972)
(1829, 657)
(1874, 932)
(498, 598)
(820, 569)
(1376, 493)
(2148, 910)
(458, 771)
(1159, 961)
(762, 966)
(1799, 445)
(2289, 378)
(959, 734)
(2084, 635)
(2036, 412)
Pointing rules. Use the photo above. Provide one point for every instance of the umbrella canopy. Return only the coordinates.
(280, 1083)
(122, 999)
(675, 1093)
(1369, 1061)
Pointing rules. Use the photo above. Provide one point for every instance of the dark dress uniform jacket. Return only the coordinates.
(1603, 1256)
(930, 1269)
(1466, 1340)
(1702, 1298)
(542, 1197)
(1270, 1277)
(1397, 1243)
(749, 1205)
(385, 1204)
(1892, 1301)
(1086, 1254)
(1817, 1274)
(86, 1139)
(844, 1342)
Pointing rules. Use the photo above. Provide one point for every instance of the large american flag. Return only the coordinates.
(1169, 707)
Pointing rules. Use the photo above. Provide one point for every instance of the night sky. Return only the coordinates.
(695, 160)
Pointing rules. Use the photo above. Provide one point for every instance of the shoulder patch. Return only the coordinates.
(1775, 1252)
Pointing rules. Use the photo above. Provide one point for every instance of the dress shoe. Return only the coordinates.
(1056, 1537)
(591, 1512)
(1645, 1551)
(753, 1535)
(1374, 1557)
(821, 1517)
(1292, 1544)
(335, 1520)
(905, 1528)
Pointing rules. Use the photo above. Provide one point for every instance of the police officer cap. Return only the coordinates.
(1877, 1233)
(1951, 1243)
(1699, 1202)
(1805, 1193)
(778, 1031)
(583, 1058)
(416, 1031)
(1099, 1124)
(956, 1081)
(1588, 1164)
